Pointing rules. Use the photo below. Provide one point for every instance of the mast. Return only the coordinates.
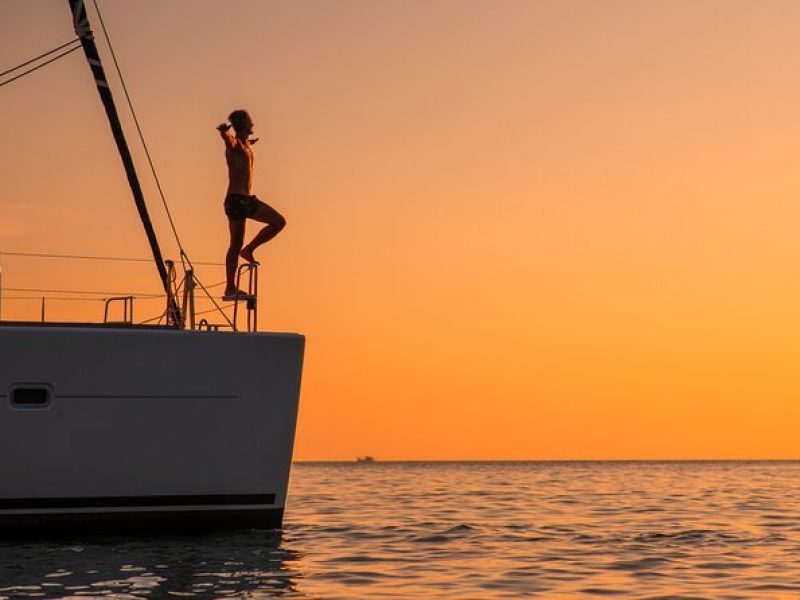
(84, 32)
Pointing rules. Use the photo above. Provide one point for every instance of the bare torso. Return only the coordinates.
(239, 157)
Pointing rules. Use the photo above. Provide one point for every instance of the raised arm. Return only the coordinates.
(227, 136)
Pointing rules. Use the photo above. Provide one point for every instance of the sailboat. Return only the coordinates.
(117, 427)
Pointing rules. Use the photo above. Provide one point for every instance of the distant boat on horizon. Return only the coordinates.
(366, 458)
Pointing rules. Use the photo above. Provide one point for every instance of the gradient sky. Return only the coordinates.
(517, 229)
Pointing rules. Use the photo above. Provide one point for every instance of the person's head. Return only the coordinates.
(241, 121)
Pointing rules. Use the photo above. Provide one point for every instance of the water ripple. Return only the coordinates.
(654, 531)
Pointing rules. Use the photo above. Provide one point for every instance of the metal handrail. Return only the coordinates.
(127, 309)
(251, 269)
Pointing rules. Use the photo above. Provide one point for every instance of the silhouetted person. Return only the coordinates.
(240, 203)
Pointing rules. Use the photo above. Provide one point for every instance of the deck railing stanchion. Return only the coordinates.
(190, 287)
(251, 298)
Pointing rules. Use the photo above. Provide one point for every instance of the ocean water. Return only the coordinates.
(465, 530)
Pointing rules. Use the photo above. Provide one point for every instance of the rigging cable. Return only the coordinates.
(90, 257)
(138, 295)
(150, 161)
(170, 300)
(87, 292)
(48, 53)
(153, 319)
(51, 298)
(138, 127)
(39, 66)
(183, 254)
(161, 316)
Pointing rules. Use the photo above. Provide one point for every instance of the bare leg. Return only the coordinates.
(275, 223)
(232, 257)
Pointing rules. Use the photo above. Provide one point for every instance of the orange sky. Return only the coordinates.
(517, 229)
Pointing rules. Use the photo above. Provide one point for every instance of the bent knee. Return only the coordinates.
(278, 222)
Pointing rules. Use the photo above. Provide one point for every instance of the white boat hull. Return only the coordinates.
(127, 427)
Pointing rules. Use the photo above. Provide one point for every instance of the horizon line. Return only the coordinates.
(544, 460)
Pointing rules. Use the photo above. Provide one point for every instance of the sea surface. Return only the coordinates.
(465, 530)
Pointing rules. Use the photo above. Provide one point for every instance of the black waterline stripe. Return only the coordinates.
(42, 526)
(136, 501)
(154, 397)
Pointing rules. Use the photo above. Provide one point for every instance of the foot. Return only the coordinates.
(247, 254)
(234, 295)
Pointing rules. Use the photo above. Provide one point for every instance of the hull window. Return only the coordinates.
(30, 397)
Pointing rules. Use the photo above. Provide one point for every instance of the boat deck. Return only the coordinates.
(97, 325)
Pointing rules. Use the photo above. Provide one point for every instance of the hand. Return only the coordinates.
(223, 127)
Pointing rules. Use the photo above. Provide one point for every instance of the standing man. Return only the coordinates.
(240, 203)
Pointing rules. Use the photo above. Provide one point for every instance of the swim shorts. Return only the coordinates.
(239, 207)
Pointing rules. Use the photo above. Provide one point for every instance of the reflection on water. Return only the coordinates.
(466, 530)
(255, 564)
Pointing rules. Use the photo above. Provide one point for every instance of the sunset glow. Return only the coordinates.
(516, 229)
